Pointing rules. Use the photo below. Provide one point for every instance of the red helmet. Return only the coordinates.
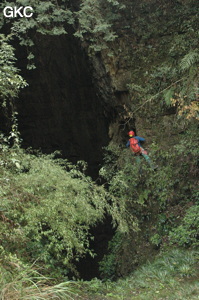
(131, 133)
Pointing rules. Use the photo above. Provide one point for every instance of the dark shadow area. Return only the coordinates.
(60, 109)
(88, 267)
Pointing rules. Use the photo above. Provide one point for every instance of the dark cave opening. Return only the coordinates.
(62, 110)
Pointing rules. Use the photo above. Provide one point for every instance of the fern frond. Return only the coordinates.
(189, 60)
(168, 94)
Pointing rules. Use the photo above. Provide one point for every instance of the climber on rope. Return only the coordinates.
(134, 143)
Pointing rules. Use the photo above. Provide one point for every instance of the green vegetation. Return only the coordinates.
(48, 206)
(186, 234)
(18, 281)
(163, 59)
(173, 275)
(95, 22)
(36, 228)
(92, 22)
(163, 202)
(10, 81)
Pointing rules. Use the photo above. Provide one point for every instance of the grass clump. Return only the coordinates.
(30, 285)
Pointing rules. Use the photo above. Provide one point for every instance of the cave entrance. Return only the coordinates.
(60, 109)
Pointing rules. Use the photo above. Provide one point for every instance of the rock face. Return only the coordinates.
(61, 110)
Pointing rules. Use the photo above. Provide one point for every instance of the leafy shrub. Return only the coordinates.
(187, 234)
(48, 207)
(155, 239)
(10, 80)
